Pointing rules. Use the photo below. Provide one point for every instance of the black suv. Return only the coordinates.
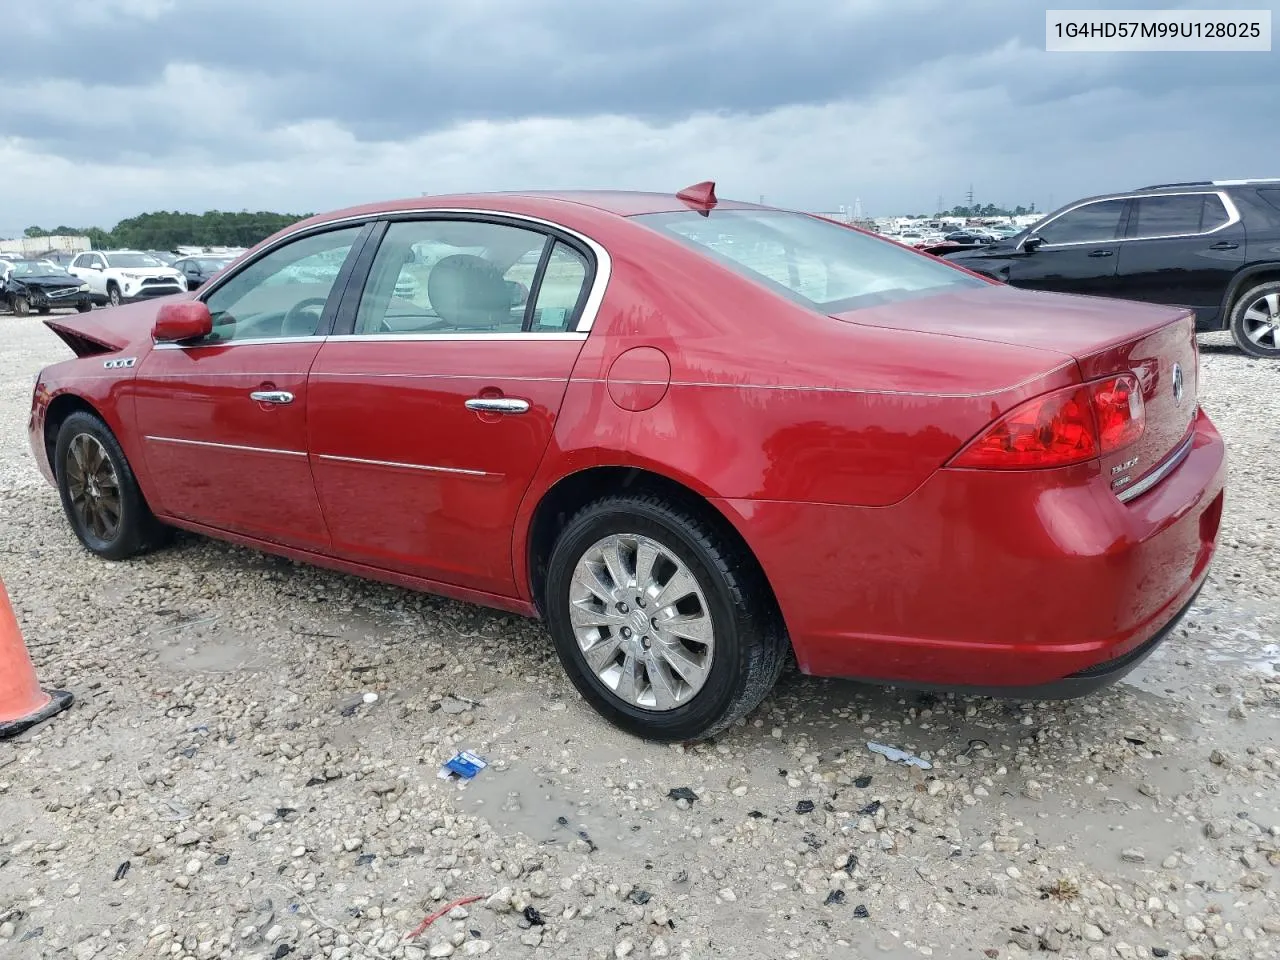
(1210, 245)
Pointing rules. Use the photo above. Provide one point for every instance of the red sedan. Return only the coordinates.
(694, 436)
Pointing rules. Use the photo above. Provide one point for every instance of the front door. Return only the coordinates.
(1077, 252)
(428, 421)
(224, 419)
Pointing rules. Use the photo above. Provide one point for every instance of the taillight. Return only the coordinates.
(1060, 428)
(1117, 403)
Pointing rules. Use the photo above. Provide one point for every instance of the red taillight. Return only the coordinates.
(1057, 429)
(1117, 403)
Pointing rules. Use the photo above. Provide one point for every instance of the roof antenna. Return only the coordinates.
(700, 196)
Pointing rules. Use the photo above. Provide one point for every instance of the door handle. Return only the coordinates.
(271, 396)
(1100, 253)
(1224, 245)
(498, 405)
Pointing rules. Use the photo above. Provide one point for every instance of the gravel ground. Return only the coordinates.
(226, 785)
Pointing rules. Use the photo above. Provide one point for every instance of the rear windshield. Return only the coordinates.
(819, 264)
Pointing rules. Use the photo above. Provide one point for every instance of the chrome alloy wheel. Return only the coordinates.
(93, 486)
(641, 621)
(1261, 321)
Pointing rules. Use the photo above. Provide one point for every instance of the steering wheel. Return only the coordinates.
(297, 316)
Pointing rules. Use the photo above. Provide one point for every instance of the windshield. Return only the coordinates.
(36, 268)
(820, 264)
(133, 260)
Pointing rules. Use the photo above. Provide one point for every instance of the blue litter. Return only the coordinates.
(465, 765)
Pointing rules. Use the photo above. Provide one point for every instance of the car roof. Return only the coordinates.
(622, 203)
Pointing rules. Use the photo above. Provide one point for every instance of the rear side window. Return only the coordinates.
(1271, 195)
(1178, 216)
(819, 264)
(1092, 223)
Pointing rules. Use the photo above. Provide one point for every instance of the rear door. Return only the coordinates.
(1077, 252)
(224, 419)
(429, 417)
(1181, 249)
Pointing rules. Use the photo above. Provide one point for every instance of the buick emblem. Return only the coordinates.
(1178, 386)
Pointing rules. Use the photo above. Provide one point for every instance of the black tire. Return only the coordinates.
(1240, 324)
(43, 311)
(20, 305)
(84, 306)
(137, 529)
(114, 297)
(750, 640)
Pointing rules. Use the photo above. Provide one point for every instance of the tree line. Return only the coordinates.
(165, 230)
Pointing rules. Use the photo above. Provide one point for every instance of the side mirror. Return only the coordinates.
(1032, 243)
(187, 320)
(519, 293)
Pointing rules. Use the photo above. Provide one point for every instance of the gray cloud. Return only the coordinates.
(257, 89)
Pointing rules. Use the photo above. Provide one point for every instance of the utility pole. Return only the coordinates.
(970, 196)
(938, 208)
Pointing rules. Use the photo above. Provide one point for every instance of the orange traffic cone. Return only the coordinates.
(22, 703)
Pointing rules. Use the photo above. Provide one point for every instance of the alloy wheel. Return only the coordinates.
(1261, 321)
(93, 486)
(642, 621)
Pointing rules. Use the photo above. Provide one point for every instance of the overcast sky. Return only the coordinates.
(109, 108)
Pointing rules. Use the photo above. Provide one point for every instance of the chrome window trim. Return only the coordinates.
(1125, 494)
(428, 468)
(464, 337)
(1233, 217)
(378, 338)
(226, 446)
(604, 263)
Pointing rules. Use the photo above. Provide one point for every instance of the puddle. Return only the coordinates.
(205, 646)
(519, 800)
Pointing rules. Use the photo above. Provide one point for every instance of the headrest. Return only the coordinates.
(468, 291)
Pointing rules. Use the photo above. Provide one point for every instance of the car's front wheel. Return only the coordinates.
(114, 297)
(84, 306)
(661, 621)
(99, 493)
(1255, 321)
(20, 305)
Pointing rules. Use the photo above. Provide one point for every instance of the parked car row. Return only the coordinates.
(1213, 246)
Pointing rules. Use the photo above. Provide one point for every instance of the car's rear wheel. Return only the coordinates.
(662, 623)
(20, 305)
(1255, 321)
(99, 493)
(113, 294)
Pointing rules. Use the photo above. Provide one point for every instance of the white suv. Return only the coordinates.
(122, 276)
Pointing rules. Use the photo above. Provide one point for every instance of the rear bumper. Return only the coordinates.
(998, 581)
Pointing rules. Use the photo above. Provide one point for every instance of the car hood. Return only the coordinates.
(1071, 325)
(48, 278)
(103, 331)
(150, 271)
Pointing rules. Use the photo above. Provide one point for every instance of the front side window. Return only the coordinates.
(466, 276)
(1179, 215)
(1092, 223)
(817, 263)
(283, 293)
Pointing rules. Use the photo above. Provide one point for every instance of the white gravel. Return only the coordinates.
(225, 787)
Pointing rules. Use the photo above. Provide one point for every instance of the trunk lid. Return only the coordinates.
(1103, 336)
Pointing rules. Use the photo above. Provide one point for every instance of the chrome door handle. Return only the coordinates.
(1224, 245)
(272, 396)
(1100, 253)
(498, 405)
